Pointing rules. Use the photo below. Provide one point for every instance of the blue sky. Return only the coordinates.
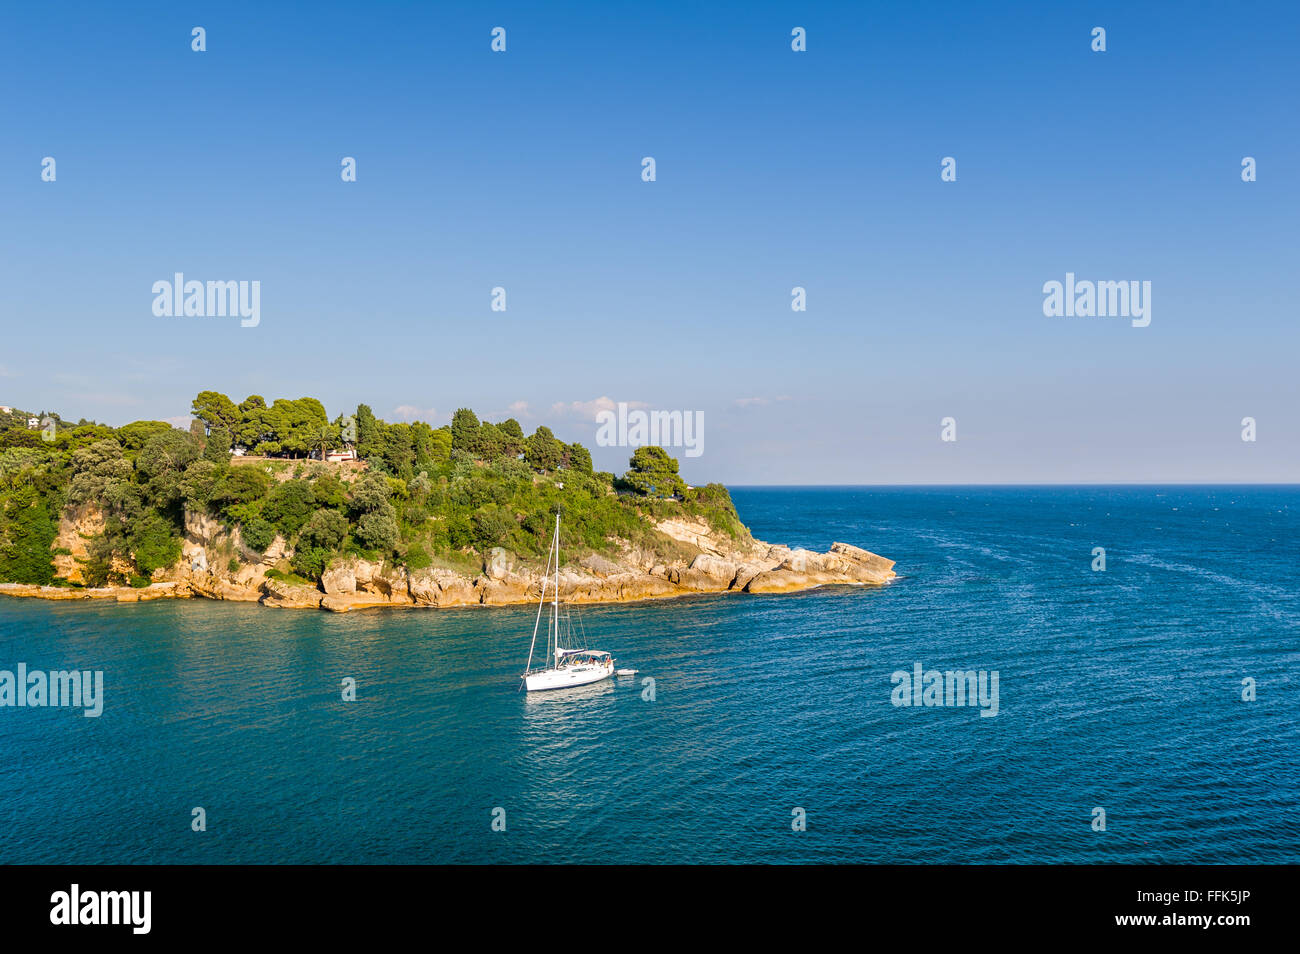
(774, 169)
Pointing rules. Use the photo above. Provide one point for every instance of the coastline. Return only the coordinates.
(355, 584)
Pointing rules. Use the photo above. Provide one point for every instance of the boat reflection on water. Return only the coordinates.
(589, 692)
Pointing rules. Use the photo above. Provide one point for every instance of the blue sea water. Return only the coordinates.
(1119, 689)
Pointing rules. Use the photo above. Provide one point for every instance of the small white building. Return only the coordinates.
(33, 423)
(5, 409)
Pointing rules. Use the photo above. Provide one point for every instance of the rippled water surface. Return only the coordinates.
(1118, 689)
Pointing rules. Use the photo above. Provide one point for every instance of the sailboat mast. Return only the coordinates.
(541, 604)
(557, 586)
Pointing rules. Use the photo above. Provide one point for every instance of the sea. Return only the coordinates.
(1145, 639)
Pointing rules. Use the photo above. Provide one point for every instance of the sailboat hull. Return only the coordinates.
(566, 676)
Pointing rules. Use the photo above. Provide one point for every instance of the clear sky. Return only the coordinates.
(775, 169)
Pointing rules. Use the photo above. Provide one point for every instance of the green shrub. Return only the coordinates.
(325, 531)
(493, 526)
(294, 578)
(238, 488)
(459, 532)
(417, 558)
(289, 505)
(257, 534)
(154, 544)
(311, 562)
(378, 531)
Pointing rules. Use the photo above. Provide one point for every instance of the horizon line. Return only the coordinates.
(905, 486)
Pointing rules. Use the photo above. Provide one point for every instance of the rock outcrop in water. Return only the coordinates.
(710, 563)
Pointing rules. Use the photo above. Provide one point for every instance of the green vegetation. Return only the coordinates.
(27, 537)
(421, 496)
(653, 472)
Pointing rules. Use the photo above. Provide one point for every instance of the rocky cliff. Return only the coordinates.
(215, 565)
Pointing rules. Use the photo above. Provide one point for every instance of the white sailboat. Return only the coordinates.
(568, 666)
